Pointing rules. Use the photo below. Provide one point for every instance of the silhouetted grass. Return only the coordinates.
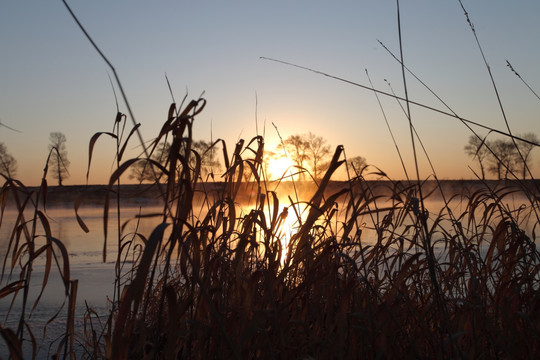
(351, 277)
(219, 279)
(28, 242)
(241, 271)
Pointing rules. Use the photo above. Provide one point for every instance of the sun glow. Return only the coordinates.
(291, 218)
(279, 167)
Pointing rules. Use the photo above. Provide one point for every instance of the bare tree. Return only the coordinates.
(8, 164)
(358, 164)
(502, 161)
(476, 148)
(60, 162)
(500, 156)
(298, 151)
(209, 161)
(525, 149)
(267, 159)
(144, 171)
(318, 150)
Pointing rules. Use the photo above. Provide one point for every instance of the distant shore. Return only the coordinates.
(149, 194)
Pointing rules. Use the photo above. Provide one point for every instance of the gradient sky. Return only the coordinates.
(51, 79)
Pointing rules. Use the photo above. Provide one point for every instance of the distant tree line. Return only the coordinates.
(8, 164)
(307, 150)
(501, 157)
(58, 161)
(310, 152)
(144, 170)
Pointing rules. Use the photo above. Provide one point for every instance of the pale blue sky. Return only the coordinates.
(53, 80)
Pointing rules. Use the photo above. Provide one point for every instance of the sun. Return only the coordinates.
(279, 167)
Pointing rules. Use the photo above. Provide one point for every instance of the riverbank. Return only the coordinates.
(150, 194)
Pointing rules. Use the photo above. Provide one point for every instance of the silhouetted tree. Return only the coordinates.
(209, 160)
(8, 164)
(59, 161)
(358, 164)
(297, 148)
(525, 149)
(143, 170)
(476, 148)
(503, 157)
(267, 159)
(502, 161)
(318, 151)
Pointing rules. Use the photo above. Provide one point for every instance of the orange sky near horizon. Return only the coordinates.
(53, 80)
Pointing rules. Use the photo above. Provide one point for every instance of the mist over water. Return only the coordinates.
(96, 278)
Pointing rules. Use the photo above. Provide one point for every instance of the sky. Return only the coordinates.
(52, 79)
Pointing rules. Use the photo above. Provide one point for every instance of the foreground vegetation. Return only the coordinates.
(221, 277)
(240, 272)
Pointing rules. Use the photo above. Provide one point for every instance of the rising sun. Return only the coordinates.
(280, 167)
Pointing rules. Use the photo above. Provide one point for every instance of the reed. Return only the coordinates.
(242, 268)
(28, 242)
(218, 278)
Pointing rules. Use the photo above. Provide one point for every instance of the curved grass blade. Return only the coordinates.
(133, 295)
(93, 140)
(14, 346)
(80, 221)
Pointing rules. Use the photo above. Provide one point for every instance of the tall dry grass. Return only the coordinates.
(29, 241)
(220, 277)
(363, 271)
(217, 279)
